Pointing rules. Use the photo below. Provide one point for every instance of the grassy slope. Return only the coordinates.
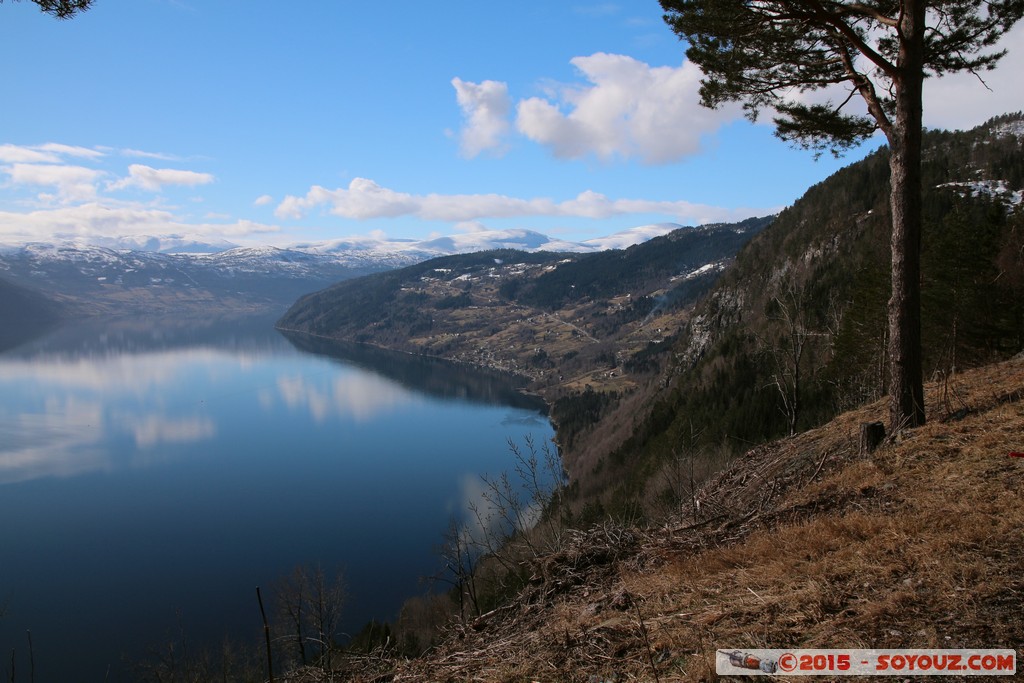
(800, 543)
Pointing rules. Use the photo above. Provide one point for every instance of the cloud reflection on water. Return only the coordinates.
(60, 413)
(66, 414)
(118, 373)
(359, 396)
(153, 430)
(62, 441)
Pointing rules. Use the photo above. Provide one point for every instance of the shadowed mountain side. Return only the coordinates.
(25, 314)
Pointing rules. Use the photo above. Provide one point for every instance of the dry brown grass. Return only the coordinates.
(802, 543)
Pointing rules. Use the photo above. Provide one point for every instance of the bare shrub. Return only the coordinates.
(309, 603)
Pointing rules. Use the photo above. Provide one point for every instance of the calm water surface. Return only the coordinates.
(153, 474)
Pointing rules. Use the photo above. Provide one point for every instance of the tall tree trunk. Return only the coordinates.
(906, 388)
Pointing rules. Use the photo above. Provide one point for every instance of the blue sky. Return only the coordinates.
(273, 122)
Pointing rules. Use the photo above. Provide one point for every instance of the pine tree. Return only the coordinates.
(62, 9)
(761, 52)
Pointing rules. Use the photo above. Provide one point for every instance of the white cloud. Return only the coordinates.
(263, 200)
(485, 109)
(957, 101)
(128, 152)
(365, 199)
(629, 110)
(65, 200)
(13, 154)
(961, 101)
(73, 183)
(469, 207)
(153, 179)
(70, 150)
(97, 219)
(362, 199)
(470, 227)
(49, 153)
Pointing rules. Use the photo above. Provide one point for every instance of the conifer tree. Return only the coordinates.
(62, 9)
(768, 54)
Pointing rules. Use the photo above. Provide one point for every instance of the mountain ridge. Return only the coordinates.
(382, 247)
(182, 273)
(561, 319)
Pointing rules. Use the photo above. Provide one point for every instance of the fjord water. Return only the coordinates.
(152, 474)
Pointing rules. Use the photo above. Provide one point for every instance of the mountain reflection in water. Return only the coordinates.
(432, 376)
(152, 473)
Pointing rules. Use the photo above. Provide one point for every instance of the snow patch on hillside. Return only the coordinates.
(1014, 128)
(992, 189)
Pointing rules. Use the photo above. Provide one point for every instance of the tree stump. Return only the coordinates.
(872, 434)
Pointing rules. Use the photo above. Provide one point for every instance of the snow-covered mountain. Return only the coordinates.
(127, 273)
(101, 280)
(166, 244)
(394, 253)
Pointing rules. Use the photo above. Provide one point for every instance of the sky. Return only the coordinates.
(266, 122)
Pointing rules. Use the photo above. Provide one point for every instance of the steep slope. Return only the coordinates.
(564, 320)
(795, 331)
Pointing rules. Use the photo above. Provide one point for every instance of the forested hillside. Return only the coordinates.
(795, 331)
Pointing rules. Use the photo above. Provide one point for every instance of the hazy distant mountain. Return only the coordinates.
(361, 249)
(121, 274)
(407, 252)
(102, 280)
